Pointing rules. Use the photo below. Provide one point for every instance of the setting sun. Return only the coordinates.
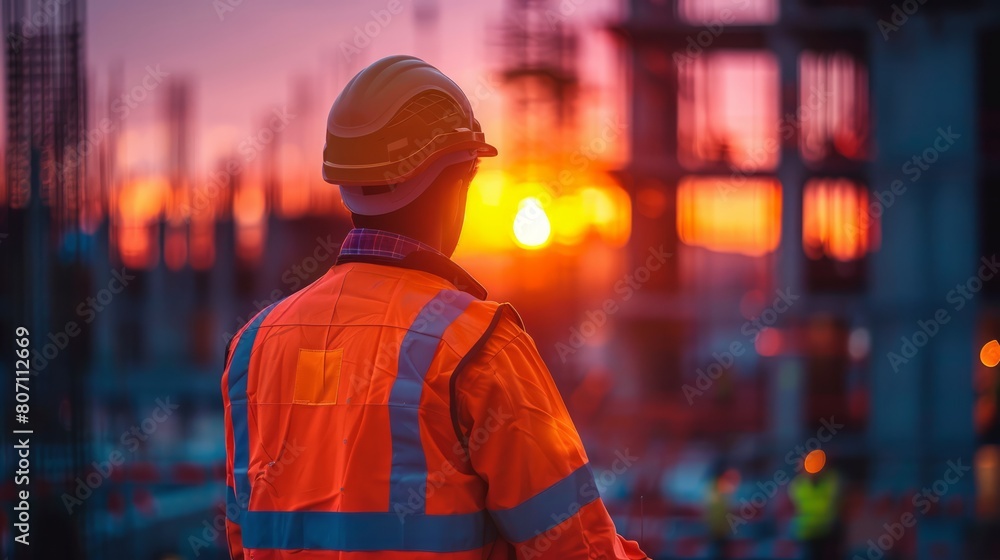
(531, 224)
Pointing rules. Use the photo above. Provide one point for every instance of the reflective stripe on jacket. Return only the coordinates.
(382, 413)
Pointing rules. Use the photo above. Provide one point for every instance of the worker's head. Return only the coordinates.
(403, 144)
(814, 462)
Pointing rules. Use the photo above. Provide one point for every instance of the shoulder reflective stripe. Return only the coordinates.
(408, 477)
(366, 531)
(239, 369)
(548, 508)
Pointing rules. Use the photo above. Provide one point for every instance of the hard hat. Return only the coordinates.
(393, 129)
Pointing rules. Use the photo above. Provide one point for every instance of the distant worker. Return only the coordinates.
(388, 410)
(815, 495)
(718, 503)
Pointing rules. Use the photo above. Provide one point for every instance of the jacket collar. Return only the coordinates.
(415, 256)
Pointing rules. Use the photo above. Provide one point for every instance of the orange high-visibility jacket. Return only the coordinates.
(383, 413)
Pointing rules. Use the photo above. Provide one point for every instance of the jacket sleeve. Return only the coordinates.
(234, 538)
(540, 487)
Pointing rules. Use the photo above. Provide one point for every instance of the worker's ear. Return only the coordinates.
(472, 173)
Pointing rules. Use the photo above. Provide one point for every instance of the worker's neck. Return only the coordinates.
(427, 236)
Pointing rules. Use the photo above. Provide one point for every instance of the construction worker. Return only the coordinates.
(388, 410)
(718, 505)
(815, 495)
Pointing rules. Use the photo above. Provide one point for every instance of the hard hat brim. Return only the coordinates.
(402, 193)
(392, 171)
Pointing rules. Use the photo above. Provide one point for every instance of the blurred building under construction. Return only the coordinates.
(827, 168)
(43, 196)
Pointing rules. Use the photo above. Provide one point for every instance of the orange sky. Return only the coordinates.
(243, 56)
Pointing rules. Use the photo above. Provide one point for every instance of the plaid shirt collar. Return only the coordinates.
(380, 243)
(385, 247)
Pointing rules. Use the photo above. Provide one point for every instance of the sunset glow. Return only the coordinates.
(532, 229)
(714, 214)
(836, 221)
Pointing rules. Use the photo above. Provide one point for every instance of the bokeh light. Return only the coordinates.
(769, 342)
(859, 343)
(990, 354)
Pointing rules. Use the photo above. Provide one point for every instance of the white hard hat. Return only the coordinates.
(393, 129)
(373, 200)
